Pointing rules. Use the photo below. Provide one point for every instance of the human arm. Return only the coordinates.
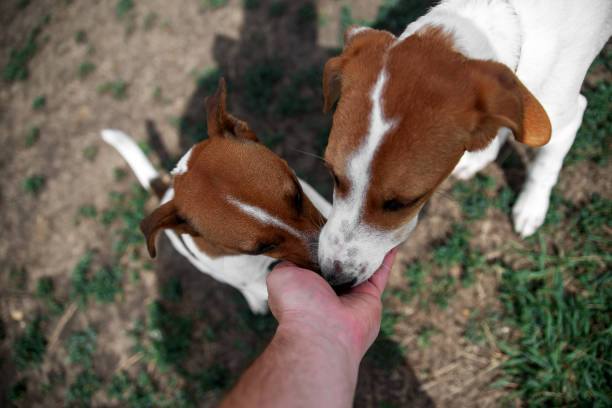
(313, 358)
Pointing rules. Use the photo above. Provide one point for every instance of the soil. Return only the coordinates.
(39, 232)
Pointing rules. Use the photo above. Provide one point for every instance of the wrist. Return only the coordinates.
(331, 348)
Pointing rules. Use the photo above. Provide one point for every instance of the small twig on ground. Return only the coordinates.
(128, 362)
(61, 324)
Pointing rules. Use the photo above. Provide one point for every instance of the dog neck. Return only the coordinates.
(484, 30)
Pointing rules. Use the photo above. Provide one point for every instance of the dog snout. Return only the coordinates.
(342, 286)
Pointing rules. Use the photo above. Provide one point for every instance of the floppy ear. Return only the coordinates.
(165, 216)
(222, 124)
(503, 101)
(350, 32)
(332, 81)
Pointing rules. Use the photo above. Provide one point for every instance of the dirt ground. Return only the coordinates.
(39, 234)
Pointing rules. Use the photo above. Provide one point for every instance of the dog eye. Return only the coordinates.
(393, 205)
(298, 202)
(396, 205)
(263, 249)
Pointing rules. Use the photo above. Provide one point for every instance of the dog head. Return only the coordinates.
(407, 111)
(234, 196)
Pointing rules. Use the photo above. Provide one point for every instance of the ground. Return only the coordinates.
(88, 319)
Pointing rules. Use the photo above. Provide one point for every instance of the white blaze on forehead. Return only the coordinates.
(181, 166)
(263, 217)
(359, 163)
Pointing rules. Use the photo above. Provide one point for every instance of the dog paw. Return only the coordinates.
(529, 212)
(471, 163)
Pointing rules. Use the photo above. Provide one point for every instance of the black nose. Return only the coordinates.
(343, 287)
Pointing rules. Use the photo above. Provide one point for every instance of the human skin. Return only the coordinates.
(313, 358)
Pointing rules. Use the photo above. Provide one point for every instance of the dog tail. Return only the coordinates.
(133, 155)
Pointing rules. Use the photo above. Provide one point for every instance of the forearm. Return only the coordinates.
(297, 370)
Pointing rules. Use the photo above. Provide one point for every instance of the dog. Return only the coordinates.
(443, 97)
(234, 206)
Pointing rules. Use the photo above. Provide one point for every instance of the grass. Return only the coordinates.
(30, 348)
(39, 102)
(32, 137)
(83, 388)
(33, 184)
(118, 89)
(80, 37)
(16, 68)
(90, 153)
(595, 135)
(556, 302)
(45, 292)
(85, 68)
(124, 7)
(81, 347)
(212, 4)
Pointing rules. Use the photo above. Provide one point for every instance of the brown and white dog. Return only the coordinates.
(234, 206)
(458, 80)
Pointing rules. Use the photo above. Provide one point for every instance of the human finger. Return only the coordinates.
(380, 277)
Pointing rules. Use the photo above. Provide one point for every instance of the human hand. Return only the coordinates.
(306, 306)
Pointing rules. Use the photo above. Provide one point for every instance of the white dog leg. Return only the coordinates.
(530, 209)
(473, 162)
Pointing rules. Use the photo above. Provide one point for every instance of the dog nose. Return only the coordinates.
(343, 286)
(337, 268)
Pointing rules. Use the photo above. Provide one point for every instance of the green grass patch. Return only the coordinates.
(83, 388)
(33, 184)
(251, 4)
(118, 89)
(32, 137)
(212, 4)
(123, 8)
(17, 391)
(30, 348)
(16, 68)
(172, 289)
(277, 9)
(150, 19)
(452, 264)
(473, 196)
(168, 337)
(45, 292)
(259, 82)
(560, 304)
(119, 174)
(39, 102)
(90, 153)
(81, 347)
(594, 137)
(85, 68)
(80, 37)
(18, 277)
(104, 284)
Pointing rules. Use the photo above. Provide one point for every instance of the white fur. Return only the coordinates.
(183, 164)
(129, 150)
(262, 216)
(346, 239)
(316, 199)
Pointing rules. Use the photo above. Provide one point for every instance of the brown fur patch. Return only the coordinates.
(441, 103)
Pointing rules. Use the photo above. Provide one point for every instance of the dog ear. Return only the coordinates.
(332, 81)
(503, 101)
(350, 32)
(165, 216)
(222, 124)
